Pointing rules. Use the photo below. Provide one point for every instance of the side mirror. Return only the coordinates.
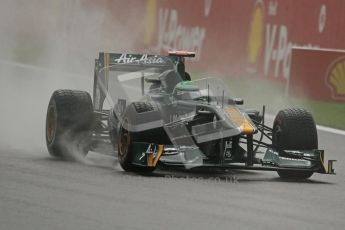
(238, 101)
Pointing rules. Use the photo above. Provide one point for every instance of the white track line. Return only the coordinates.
(319, 127)
(330, 130)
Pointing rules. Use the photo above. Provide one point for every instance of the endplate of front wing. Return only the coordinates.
(312, 160)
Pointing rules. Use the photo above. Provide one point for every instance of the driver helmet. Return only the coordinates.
(186, 90)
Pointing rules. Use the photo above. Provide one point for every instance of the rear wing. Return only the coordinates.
(114, 61)
(131, 62)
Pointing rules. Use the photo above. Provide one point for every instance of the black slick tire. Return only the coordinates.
(294, 129)
(69, 124)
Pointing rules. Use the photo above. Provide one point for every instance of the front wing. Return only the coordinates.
(150, 155)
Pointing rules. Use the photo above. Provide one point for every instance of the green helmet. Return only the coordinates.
(186, 90)
(187, 86)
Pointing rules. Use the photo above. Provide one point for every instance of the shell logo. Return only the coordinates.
(255, 40)
(150, 21)
(336, 78)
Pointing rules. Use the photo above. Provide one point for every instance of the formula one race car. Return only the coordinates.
(147, 108)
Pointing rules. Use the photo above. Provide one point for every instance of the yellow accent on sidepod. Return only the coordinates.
(240, 120)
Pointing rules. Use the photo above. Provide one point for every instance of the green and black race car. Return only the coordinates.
(147, 108)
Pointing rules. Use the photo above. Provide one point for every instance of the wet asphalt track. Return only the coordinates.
(39, 192)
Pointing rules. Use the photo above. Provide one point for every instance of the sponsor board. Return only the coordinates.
(253, 38)
(248, 38)
(335, 78)
(318, 74)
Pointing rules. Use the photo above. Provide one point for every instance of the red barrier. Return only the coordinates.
(244, 37)
(251, 38)
(318, 74)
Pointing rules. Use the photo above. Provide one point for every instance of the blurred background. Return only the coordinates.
(273, 52)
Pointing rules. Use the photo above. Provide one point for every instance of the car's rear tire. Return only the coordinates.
(294, 129)
(69, 124)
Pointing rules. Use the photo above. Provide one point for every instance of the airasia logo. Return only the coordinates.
(129, 58)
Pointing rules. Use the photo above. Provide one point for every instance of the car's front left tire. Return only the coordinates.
(126, 138)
